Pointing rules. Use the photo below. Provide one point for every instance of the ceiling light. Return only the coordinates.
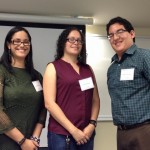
(46, 19)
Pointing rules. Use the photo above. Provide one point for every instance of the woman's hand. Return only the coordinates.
(88, 130)
(29, 145)
(80, 137)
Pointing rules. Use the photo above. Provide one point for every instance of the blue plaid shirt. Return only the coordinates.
(130, 98)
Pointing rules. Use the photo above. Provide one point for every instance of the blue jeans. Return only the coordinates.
(58, 142)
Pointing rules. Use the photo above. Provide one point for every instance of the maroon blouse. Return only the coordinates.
(75, 104)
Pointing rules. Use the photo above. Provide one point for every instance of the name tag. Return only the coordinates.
(86, 84)
(127, 74)
(37, 85)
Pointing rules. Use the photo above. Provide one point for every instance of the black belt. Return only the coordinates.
(127, 127)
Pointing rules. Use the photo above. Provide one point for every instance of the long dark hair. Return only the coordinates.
(62, 41)
(6, 56)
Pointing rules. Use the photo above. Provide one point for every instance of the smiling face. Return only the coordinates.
(19, 45)
(73, 44)
(120, 42)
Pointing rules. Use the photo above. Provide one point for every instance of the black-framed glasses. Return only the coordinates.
(117, 33)
(73, 40)
(19, 42)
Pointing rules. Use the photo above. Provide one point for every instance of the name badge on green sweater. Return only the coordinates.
(37, 85)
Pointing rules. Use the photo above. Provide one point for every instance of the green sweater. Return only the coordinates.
(21, 106)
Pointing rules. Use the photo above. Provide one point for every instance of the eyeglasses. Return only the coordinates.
(73, 40)
(117, 33)
(18, 42)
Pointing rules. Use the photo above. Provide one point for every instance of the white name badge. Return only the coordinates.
(37, 85)
(86, 84)
(127, 74)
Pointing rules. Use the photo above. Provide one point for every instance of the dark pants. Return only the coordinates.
(134, 139)
(58, 142)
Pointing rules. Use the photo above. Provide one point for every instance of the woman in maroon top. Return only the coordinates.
(71, 95)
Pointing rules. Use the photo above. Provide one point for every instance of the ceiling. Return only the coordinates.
(136, 11)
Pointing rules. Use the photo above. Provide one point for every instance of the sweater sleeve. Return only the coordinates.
(42, 117)
(5, 122)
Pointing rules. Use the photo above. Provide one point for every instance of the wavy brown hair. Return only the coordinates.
(62, 41)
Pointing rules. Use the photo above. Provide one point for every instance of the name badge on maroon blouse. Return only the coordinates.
(37, 85)
(86, 84)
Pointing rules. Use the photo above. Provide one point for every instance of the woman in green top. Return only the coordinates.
(22, 112)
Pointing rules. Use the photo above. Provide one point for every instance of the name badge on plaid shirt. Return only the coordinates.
(127, 74)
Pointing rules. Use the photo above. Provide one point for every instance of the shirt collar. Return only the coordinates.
(129, 51)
